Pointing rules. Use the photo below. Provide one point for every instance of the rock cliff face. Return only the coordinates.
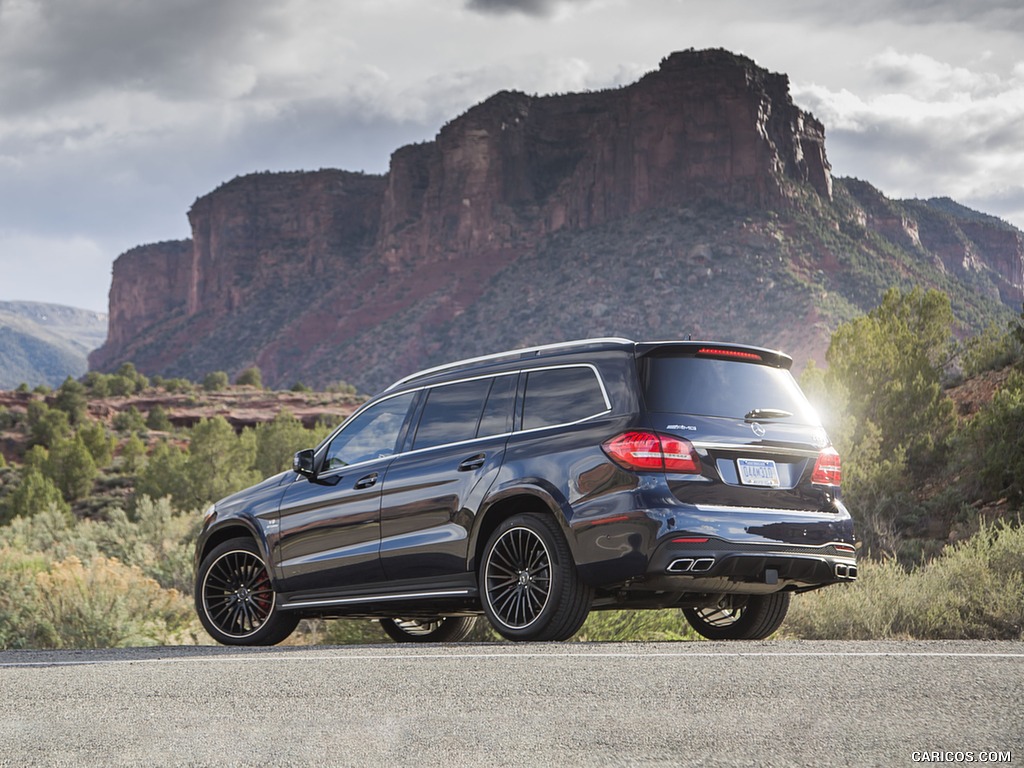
(690, 182)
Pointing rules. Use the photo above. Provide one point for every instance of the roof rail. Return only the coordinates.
(511, 354)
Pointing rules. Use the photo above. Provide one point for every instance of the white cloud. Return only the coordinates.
(926, 128)
(116, 114)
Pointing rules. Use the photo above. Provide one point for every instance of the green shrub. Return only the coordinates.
(990, 350)
(129, 420)
(106, 604)
(974, 590)
(18, 596)
(216, 381)
(70, 398)
(250, 377)
(46, 425)
(991, 445)
(35, 493)
(158, 420)
(133, 454)
(647, 626)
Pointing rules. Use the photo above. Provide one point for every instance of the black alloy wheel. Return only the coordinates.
(235, 598)
(442, 629)
(740, 617)
(528, 581)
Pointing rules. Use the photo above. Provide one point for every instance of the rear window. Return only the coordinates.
(707, 387)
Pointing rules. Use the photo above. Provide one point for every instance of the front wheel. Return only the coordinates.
(235, 598)
(529, 585)
(740, 617)
(443, 629)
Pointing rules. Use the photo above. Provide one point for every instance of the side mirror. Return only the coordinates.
(304, 463)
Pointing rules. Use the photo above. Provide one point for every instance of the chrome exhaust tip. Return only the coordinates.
(680, 566)
(703, 564)
(844, 571)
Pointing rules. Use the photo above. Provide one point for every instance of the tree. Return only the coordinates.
(36, 492)
(133, 454)
(889, 363)
(70, 398)
(158, 420)
(219, 461)
(129, 420)
(46, 425)
(251, 377)
(215, 381)
(278, 441)
(71, 467)
(166, 474)
(99, 443)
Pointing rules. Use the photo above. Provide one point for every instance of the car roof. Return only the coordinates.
(494, 363)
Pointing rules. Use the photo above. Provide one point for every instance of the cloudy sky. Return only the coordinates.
(115, 115)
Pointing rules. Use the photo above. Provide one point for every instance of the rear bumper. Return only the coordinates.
(699, 548)
(724, 566)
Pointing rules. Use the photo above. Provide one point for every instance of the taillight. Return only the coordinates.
(653, 452)
(828, 469)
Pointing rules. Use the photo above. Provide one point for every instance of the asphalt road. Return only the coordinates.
(667, 704)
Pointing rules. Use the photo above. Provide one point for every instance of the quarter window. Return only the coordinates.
(370, 435)
(562, 396)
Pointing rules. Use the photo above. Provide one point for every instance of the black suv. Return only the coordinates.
(536, 485)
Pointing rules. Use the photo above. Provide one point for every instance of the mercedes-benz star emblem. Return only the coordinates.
(758, 429)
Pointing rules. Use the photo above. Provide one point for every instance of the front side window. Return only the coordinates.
(370, 435)
(562, 396)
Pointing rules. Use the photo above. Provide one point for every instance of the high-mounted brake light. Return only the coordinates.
(828, 469)
(733, 353)
(649, 451)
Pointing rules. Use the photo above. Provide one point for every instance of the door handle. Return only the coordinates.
(473, 462)
(367, 481)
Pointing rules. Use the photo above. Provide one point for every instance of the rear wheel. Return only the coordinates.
(443, 629)
(529, 585)
(235, 598)
(740, 617)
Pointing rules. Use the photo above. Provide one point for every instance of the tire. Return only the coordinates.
(443, 629)
(740, 617)
(235, 598)
(529, 585)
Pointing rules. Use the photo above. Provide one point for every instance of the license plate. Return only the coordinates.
(761, 472)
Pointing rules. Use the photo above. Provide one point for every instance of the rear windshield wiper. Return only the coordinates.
(767, 413)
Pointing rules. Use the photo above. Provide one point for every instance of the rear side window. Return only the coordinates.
(708, 387)
(452, 413)
(562, 396)
(497, 418)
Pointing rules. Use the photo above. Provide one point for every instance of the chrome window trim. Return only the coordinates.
(369, 403)
(510, 354)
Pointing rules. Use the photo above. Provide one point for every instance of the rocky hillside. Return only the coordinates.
(697, 200)
(46, 343)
